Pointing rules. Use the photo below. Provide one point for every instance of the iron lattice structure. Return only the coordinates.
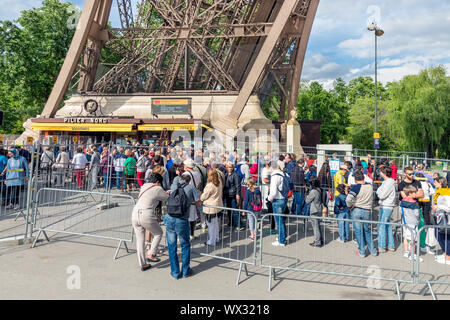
(240, 47)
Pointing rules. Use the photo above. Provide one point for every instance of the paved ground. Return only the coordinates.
(42, 272)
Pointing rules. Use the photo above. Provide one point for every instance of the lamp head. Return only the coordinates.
(379, 32)
(372, 27)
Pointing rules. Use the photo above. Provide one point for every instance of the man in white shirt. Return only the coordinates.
(351, 178)
(79, 164)
(278, 201)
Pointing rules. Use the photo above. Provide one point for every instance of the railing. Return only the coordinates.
(83, 213)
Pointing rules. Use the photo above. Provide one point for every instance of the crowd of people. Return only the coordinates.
(233, 181)
(192, 188)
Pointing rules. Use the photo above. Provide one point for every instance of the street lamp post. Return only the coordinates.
(378, 33)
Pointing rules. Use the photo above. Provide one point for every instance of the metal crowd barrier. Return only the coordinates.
(14, 207)
(83, 213)
(334, 257)
(430, 272)
(233, 243)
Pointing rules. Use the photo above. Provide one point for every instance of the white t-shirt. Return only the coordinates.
(79, 161)
(265, 174)
(351, 179)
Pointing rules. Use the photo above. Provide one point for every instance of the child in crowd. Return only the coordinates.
(341, 211)
(253, 203)
(410, 217)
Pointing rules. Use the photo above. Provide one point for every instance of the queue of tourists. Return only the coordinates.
(188, 189)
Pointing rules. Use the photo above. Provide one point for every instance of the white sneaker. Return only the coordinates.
(406, 254)
(424, 250)
(442, 260)
(277, 244)
(430, 251)
(340, 240)
(16, 207)
(191, 237)
(415, 258)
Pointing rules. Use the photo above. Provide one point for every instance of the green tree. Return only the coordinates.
(315, 103)
(32, 51)
(421, 111)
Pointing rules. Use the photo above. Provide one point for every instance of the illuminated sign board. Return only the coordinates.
(171, 106)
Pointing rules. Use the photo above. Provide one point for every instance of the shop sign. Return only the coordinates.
(86, 120)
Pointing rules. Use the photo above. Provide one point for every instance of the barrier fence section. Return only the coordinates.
(13, 208)
(333, 256)
(83, 213)
(229, 237)
(433, 271)
(15, 188)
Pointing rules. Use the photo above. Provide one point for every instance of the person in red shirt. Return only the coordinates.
(310, 162)
(394, 169)
(254, 168)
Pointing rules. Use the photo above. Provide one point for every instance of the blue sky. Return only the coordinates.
(416, 36)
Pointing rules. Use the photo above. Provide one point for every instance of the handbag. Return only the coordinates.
(431, 240)
(442, 221)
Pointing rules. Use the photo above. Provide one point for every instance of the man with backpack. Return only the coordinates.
(298, 178)
(280, 188)
(182, 196)
(196, 181)
(231, 196)
(200, 168)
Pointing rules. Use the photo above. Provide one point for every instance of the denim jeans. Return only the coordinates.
(385, 216)
(107, 181)
(363, 232)
(298, 203)
(344, 226)
(279, 205)
(236, 217)
(176, 227)
(120, 181)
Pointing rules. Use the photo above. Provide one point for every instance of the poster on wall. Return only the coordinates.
(334, 166)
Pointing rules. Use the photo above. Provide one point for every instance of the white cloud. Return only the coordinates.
(10, 9)
(320, 67)
(416, 37)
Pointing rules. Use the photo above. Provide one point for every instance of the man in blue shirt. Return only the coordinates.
(179, 227)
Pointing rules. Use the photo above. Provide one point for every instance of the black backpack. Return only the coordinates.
(177, 204)
(256, 201)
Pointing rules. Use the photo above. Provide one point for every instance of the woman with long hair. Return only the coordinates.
(212, 195)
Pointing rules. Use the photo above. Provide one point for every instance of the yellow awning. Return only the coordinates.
(91, 127)
(170, 127)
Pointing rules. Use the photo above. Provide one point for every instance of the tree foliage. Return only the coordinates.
(421, 111)
(32, 51)
(330, 107)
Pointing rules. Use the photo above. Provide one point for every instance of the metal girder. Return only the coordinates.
(209, 45)
(73, 56)
(262, 58)
(301, 51)
(195, 32)
(125, 13)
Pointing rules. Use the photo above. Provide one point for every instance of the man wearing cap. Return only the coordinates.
(196, 181)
